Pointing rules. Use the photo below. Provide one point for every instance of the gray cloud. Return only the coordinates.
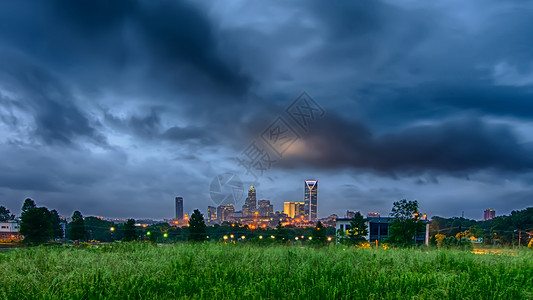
(121, 105)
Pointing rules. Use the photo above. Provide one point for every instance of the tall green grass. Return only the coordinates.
(215, 271)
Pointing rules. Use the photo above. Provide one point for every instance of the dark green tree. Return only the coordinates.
(56, 224)
(35, 225)
(197, 227)
(358, 229)
(130, 233)
(319, 234)
(77, 227)
(5, 215)
(28, 204)
(281, 233)
(407, 223)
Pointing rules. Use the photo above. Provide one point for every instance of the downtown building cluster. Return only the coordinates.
(260, 213)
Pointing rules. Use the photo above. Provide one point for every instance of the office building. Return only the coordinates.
(225, 213)
(489, 214)
(294, 209)
(250, 204)
(211, 213)
(311, 200)
(264, 208)
(378, 229)
(179, 208)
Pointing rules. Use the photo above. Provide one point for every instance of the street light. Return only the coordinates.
(329, 239)
(310, 238)
(148, 233)
(272, 237)
(231, 236)
(296, 238)
(165, 235)
(260, 237)
(225, 237)
(243, 237)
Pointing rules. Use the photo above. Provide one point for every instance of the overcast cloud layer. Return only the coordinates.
(116, 107)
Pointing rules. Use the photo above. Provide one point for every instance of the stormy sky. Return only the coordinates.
(116, 107)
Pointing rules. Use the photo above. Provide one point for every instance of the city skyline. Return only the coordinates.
(104, 110)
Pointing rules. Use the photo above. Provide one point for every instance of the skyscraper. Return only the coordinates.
(225, 213)
(489, 214)
(311, 200)
(264, 208)
(179, 208)
(294, 209)
(250, 204)
(211, 213)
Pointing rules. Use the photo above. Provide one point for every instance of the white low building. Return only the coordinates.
(9, 230)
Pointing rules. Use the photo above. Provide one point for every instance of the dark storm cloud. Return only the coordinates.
(174, 41)
(155, 97)
(57, 118)
(454, 146)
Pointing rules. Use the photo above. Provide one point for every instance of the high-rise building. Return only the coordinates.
(264, 208)
(311, 200)
(489, 214)
(288, 209)
(294, 209)
(299, 210)
(225, 213)
(179, 208)
(211, 213)
(350, 214)
(250, 204)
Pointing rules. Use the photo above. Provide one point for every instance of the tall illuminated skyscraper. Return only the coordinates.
(311, 200)
(179, 208)
(250, 204)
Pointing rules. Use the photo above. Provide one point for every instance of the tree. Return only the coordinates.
(77, 227)
(358, 229)
(56, 224)
(130, 233)
(319, 234)
(35, 225)
(407, 223)
(5, 215)
(28, 204)
(281, 233)
(197, 228)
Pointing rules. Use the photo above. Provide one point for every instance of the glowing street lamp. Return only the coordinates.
(231, 236)
(296, 238)
(329, 239)
(225, 237)
(310, 238)
(112, 229)
(243, 237)
(272, 237)
(148, 233)
(260, 237)
(165, 235)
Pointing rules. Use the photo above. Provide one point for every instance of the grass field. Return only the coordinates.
(215, 271)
